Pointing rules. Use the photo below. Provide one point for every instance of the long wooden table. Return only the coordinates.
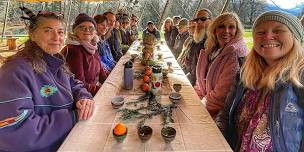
(195, 128)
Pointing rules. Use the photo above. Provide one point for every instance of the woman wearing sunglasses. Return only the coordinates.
(40, 101)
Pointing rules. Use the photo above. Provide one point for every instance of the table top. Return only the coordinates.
(196, 131)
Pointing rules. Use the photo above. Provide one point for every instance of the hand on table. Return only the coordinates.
(85, 108)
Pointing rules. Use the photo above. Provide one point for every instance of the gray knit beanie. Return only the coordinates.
(292, 22)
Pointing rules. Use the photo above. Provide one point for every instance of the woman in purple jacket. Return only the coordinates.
(40, 101)
(218, 64)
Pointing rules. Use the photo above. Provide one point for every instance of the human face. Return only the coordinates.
(134, 21)
(225, 32)
(191, 27)
(168, 24)
(111, 20)
(181, 30)
(49, 35)
(202, 19)
(272, 40)
(150, 27)
(85, 31)
(102, 28)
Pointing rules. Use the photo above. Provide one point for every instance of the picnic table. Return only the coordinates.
(195, 129)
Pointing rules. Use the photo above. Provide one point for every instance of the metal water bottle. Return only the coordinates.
(128, 75)
(156, 79)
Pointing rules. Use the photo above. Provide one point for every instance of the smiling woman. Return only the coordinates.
(39, 99)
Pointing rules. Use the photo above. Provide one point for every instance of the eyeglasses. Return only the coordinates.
(203, 18)
(84, 28)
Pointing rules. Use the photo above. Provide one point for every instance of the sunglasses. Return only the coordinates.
(201, 19)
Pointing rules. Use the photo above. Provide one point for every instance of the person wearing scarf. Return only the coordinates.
(82, 55)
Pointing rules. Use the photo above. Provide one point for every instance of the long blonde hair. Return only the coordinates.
(212, 42)
(168, 19)
(255, 73)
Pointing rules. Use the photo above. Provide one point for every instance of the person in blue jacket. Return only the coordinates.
(106, 57)
(265, 110)
(40, 101)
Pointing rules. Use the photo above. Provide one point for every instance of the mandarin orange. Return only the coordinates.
(146, 79)
(145, 87)
(120, 129)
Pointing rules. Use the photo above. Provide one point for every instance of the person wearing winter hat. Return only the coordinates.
(264, 112)
(82, 55)
(181, 37)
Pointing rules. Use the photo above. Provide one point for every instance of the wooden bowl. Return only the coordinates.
(144, 133)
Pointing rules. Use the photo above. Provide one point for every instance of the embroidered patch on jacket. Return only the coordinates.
(48, 90)
(290, 107)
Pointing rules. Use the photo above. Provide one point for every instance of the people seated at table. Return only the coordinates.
(132, 31)
(151, 29)
(181, 37)
(168, 29)
(174, 32)
(264, 112)
(82, 55)
(187, 44)
(40, 101)
(106, 58)
(218, 64)
(112, 36)
(124, 23)
(202, 20)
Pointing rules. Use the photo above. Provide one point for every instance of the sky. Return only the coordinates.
(286, 4)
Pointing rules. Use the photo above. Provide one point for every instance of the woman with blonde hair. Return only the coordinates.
(265, 110)
(218, 64)
(167, 29)
(40, 101)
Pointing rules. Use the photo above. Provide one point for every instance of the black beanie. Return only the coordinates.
(82, 17)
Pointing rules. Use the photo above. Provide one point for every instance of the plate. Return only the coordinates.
(175, 96)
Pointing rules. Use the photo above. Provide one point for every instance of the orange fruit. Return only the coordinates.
(148, 70)
(146, 78)
(145, 87)
(120, 129)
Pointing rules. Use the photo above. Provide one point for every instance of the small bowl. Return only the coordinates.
(175, 97)
(168, 134)
(177, 87)
(117, 102)
(144, 133)
(120, 138)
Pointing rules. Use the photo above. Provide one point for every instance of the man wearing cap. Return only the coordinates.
(181, 37)
(151, 29)
(202, 20)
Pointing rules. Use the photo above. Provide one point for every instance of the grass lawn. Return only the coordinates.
(248, 38)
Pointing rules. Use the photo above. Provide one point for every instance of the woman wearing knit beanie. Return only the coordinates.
(265, 111)
(82, 55)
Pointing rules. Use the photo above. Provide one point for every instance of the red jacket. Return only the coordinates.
(85, 66)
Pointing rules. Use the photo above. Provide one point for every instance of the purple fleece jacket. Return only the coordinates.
(37, 110)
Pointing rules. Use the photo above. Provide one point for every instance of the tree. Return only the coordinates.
(248, 10)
